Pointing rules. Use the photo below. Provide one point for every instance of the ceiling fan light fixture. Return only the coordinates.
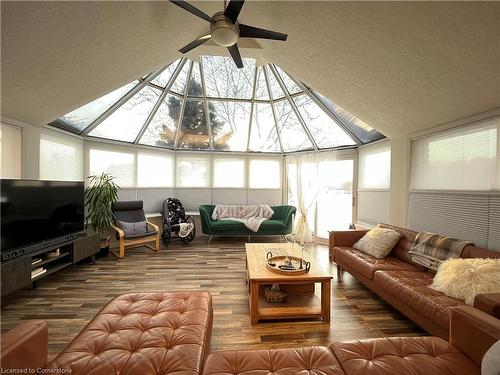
(224, 32)
(224, 37)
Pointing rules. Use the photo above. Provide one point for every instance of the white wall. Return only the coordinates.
(400, 177)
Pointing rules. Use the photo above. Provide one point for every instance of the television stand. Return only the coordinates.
(31, 268)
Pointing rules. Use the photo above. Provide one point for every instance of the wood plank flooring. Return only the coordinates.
(68, 299)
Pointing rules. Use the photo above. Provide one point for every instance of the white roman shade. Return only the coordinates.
(455, 189)
(61, 157)
(11, 138)
(374, 179)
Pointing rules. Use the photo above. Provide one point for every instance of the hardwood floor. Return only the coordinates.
(69, 299)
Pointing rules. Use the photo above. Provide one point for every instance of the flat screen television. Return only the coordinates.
(35, 214)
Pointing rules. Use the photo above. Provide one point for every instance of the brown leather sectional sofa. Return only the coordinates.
(169, 333)
(404, 284)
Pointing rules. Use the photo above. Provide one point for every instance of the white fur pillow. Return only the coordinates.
(464, 278)
(378, 242)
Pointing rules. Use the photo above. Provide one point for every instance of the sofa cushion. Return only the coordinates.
(366, 264)
(143, 333)
(308, 360)
(397, 355)
(378, 242)
(412, 288)
(231, 226)
(465, 278)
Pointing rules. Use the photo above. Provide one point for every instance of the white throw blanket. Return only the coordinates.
(252, 215)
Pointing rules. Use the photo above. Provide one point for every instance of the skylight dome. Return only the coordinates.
(213, 106)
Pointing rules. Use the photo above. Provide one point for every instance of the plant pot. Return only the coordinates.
(104, 248)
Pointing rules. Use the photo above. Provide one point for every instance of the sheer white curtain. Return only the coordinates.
(304, 185)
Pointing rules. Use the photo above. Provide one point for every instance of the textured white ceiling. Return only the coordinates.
(400, 67)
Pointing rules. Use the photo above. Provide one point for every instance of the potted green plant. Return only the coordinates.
(99, 194)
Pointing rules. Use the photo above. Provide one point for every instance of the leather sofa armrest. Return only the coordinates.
(473, 332)
(343, 238)
(489, 303)
(25, 346)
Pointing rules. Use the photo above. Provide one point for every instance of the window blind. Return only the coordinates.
(61, 157)
(374, 179)
(10, 151)
(459, 159)
(455, 184)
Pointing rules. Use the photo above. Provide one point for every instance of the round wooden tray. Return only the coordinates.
(273, 264)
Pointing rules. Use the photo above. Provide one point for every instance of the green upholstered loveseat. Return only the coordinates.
(279, 224)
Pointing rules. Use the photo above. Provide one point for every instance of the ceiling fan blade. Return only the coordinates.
(195, 43)
(233, 9)
(235, 54)
(255, 32)
(191, 9)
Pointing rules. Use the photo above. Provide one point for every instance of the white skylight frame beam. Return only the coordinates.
(181, 114)
(252, 107)
(120, 102)
(294, 107)
(271, 101)
(205, 103)
(158, 103)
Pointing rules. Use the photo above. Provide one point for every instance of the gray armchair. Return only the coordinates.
(132, 228)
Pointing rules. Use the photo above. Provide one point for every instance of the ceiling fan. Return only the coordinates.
(225, 30)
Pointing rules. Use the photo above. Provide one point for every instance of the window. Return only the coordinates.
(455, 182)
(82, 117)
(224, 80)
(263, 137)
(11, 151)
(193, 171)
(229, 123)
(155, 170)
(161, 130)
(459, 159)
(265, 174)
(334, 206)
(125, 123)
(119, 164)
(229, 173)
(375, 166)
(374, 179)
(61, 158)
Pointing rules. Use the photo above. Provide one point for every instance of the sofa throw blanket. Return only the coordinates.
(250, 215)
(430, 250)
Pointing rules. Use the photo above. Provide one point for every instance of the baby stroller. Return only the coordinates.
(175, 222)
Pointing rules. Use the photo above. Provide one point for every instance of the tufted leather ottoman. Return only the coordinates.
(314, 360)
(143, 333)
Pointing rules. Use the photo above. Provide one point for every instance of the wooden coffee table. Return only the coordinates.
(302, 301)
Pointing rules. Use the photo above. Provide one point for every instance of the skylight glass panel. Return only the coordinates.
(224, 80)
(125, 123)
(180, 82)
(274, 86)
(163, 78)
(324, 130)
(161, 130)
(289, 83)
(261, 91)
(79, 119)
(229, 122)
(194, 132)
(293, 136)
(263, 136)
(195, 87)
